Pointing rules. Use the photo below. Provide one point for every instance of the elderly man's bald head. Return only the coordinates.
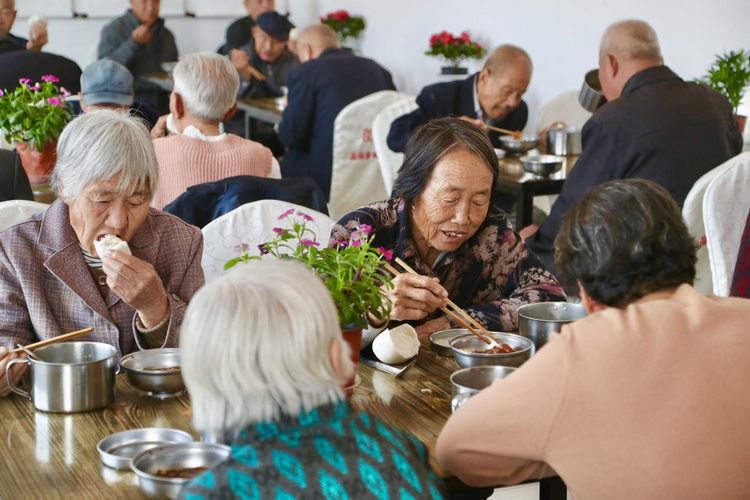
(315, 40)
(507, 56)
(631, 40)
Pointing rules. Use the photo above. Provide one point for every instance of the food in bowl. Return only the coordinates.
(164, 369)
(111, 242)
(495, 349)
(182, 473)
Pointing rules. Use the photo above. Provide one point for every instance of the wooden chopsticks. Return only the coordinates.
(516, 135)
(452, 314)
(55, 340)
(256, 74)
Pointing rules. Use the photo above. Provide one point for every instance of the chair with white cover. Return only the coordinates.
(390, 161)
(12, 211)
(249, 226)
(355, 175)
(725, 208)
(563, 108)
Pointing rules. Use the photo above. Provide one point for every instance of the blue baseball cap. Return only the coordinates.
(107, 82)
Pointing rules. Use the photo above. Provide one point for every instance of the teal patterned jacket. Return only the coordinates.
(329, 453)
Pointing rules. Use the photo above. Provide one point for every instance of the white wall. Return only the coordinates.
(561, 36)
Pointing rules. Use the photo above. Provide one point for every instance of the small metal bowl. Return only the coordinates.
(464, 346)
(117, 450)
(146, 372)
(542, 165)
(440, 342)
(175, 456)
(470, 381)
(518, 146)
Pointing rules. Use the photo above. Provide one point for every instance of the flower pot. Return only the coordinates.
(37, 164)
(454, 70)
(741, 122)
(353, 337)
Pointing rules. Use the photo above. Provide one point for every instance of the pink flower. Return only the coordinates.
(65, 91)
(341, 243)
(50, 78)
(305, 216)
(309, 243)
(280, 232)
(55, 102)
(36, 87)
(242, 248)
(355, 243)
(262, 248)
(365, 229)
(388, 254)
(286, 214)
(24, 81)
(2, 93)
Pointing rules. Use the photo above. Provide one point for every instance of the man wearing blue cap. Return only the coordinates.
(106, 84)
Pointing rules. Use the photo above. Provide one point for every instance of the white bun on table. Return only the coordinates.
(396, 346)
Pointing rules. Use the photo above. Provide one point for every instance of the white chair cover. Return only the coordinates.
(356, 179)
(725, 208)
(390, 161)
(13, 211)
(563, 108)
(252, 224)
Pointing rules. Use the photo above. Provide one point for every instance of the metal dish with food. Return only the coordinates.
(117, 450)
(518, 146)
(155, 372)
(537, 322)
(440, 342)
(164, 470)
(542, 165)
(470, 381)
(468, 350)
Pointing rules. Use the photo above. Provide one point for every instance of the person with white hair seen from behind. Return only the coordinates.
(204, 97)
(264, 363)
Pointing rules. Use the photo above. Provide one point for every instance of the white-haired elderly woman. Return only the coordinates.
(204, 97)
(264, 360)
(52, 279)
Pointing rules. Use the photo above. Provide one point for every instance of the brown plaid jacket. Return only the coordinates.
(46, 288)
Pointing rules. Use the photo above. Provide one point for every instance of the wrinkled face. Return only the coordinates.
(257, 7)
(7, 16)
(100, 209)
(499, 95)
(455, 201)
(268, 48)
(145, 10)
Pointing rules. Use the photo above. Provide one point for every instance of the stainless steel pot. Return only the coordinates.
(470, 381)
(591, 96)
(564, 141)
(74, 377)
(465, 349)
(538, 321)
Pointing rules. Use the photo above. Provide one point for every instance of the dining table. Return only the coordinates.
(514, 180)
(50, 456)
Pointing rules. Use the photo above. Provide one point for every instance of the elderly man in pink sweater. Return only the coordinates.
(197, 151)
(645, 398)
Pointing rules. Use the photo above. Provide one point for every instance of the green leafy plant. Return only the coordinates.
(730, 75)
(34, 113)
(352, 271)
(343, 24)
(454, 49)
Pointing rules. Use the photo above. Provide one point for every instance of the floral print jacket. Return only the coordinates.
(490, 276)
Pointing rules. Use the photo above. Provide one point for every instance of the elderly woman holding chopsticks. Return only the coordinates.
(57, 277)
(442, 223)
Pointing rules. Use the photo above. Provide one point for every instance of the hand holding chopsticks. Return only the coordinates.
(54, 340)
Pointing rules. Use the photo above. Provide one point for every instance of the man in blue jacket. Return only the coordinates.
(328, 80)
(491, 97)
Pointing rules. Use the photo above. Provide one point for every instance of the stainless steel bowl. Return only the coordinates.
(538, 321)
(117, 450)
(463, 348)
(518, 146)
(542, 165)
(175, 456)
(563, 141)
(440, 342)
(144, 370)
(470, 381)
(591, 96)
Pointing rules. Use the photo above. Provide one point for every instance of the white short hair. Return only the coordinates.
(207, 83)
(631, 40)
(97, 146)
(255, 344)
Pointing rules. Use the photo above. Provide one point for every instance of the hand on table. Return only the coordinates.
(413, 297)
(15, 373)
(142, 35)
(137, 283)
(37, 37)
(478, 123)
(527, 232)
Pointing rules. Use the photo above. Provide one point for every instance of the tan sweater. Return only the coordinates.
(650, 402)
(187, 161)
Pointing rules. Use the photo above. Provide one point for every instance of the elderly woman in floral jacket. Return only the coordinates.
(53, 281)
(443, 224)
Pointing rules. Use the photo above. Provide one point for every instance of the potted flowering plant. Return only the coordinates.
(730, 75)
(344, 25)
(352, 271)
(454, 49)
(32, 117)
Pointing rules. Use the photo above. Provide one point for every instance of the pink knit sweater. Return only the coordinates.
(186, 161)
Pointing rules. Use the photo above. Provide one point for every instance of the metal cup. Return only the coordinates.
(538, 321)
(74, 377)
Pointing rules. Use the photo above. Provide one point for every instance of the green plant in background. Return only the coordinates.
(352, 271)
(343, 24)
(34, 113)
(454, 49)
(730, 75)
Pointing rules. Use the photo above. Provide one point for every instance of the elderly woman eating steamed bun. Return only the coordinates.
(442, 222)
(52, 279)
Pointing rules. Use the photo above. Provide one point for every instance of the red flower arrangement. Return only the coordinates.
(345, 25)
(454, 49)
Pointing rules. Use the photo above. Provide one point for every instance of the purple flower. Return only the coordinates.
(309, 243)
(50, 78)
(355, 243)
(55, 101)
(36, 87)
(388, 254)
(286, 214)
(242, 248)
(341, 243)
(24, 81)
(305, 216)
(2, 93)
(262, 248)
(279, 231)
